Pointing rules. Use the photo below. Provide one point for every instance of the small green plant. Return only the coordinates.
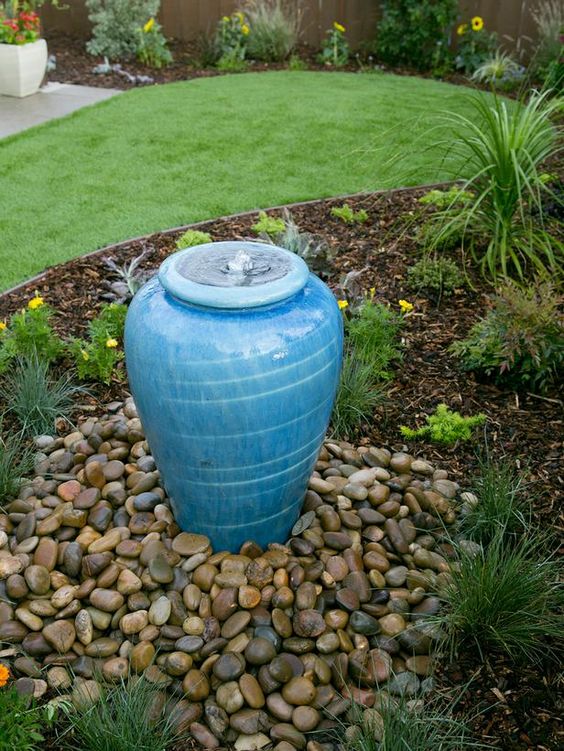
(357, 396)
(500, 71)
(296, 63)
(275, 26)
(96, 358)
(123, 29)
(130, 278)
(502, 504)
(193, 237)
(317, 253)
(268, 225)
(446, 199)
(231, 40)
(373, 335)
(35, 398)
(151, 47)
(505, 598)
(30, 334)
(16, 461)
(415, 32)
(436, 276)
(520, 342)
(503, 148)
(399, 724)
(348, 216)
(335, 49)
(475, 45)
(108, 725)
(21, 721)
(444, 427)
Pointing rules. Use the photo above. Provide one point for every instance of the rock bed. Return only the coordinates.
(260, 647)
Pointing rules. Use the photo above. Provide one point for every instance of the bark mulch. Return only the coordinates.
(518, 706)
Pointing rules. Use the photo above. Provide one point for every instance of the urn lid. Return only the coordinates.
(233, 274)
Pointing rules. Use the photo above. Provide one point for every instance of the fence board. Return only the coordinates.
(187, 19)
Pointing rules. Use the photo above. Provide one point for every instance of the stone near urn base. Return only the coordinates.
(22, 67)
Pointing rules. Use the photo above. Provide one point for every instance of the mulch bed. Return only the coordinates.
(518, 705)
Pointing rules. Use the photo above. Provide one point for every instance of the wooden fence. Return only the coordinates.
(187, 19)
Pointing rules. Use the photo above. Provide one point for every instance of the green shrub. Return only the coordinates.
(415, 32)
(438, 276)
(30, 334)
(119, 30)
(357, 396)
(348, 216)
(274, 29)
(547, 62)
(502, 505)
(21, 722)
(520, 342)
(474, 45)
(503, 148)
(193, 237)
(96, 358)
(35, 398)
(335, 49)
(16, 461)
(444, 427)
(296, 63)
(373, 335)
(505, 598)
(500, 71)
(128, 716)
(268, 225)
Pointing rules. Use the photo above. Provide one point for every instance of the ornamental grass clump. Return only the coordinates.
(16, 461)
(357, 396)
(274, 29)
(500, 71)
(444, 427)
(128, 716)
(548, 59)
(505, 598)
(502, 150)
(520, 341)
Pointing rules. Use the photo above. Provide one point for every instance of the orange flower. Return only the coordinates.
(4, 675)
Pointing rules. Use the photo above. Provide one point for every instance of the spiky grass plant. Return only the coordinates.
(130, 715)
(274, 29)
(502, 149)
(505, 598)
(36, 398)
(399, 724)
(357, 397)
(16, 460)
(500, 70)
(548, 17)
(503, 504)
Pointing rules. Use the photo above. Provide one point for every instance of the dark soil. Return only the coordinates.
(518, 705)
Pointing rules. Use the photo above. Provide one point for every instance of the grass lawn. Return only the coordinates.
(162, 156)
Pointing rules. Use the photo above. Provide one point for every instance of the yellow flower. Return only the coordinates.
(477, 23)
(240, 16)
(338, 27)
(406, 307)
(4, 675)
(342, 304)
(372, 292)
(85, 355)
(3, 326)
(35, 302)
(245, 29)
(462, 29)
(149, 25)
(111, 343)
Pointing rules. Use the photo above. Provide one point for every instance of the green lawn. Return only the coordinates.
(162, 156)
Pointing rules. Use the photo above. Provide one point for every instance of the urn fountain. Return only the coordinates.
(233, 354)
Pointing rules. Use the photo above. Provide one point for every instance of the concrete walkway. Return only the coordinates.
(53, 100)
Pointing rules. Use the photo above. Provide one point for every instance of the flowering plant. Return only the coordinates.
(22, 28)
(335, 50)
(231, 37)
(152, 49)
(475, 45)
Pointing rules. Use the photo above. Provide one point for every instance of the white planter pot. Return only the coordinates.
(22, 67)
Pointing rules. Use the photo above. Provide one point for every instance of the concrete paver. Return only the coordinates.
(53, 100)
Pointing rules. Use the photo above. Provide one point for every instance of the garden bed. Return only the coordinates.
(518, 706)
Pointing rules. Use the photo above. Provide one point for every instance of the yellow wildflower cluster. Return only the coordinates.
(477, 24)
(406, 307)
(36, 302)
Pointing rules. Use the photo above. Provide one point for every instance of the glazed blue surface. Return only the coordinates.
(235, 405)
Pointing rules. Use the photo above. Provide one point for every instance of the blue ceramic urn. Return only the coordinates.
(233, 355)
